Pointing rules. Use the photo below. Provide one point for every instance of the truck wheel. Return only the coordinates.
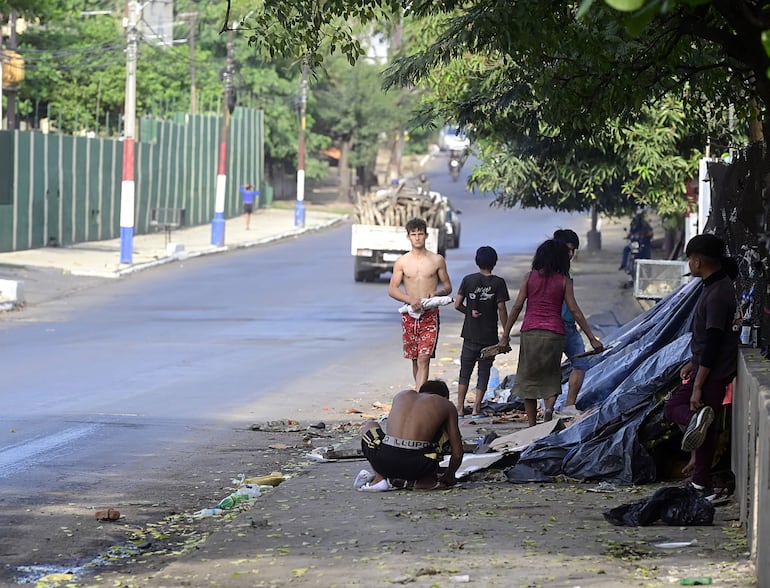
(361, 273)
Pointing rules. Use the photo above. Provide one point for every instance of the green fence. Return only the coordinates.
(59, 189)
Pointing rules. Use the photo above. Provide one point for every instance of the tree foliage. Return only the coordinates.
(76, 69)
(312, 29)
(35, 8)
(570, 105)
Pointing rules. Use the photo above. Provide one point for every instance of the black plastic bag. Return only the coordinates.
(673, 506)
(514, 403)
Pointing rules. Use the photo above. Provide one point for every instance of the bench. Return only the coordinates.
(167, 219)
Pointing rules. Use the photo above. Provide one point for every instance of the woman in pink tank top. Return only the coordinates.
(544, 290)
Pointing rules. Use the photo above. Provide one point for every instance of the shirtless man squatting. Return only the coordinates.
(421, 427)
(420, 272)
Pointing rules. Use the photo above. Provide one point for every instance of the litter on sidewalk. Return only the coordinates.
(520, 440)
(246, 490)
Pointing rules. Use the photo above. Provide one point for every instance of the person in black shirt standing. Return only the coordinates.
(714, 361)
(481, 298)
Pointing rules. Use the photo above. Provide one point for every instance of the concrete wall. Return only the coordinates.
(751, 456)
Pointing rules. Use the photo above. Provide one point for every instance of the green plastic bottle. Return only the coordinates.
(231, 501)
(705, 580)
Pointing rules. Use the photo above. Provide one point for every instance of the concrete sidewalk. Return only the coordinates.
(101, 259)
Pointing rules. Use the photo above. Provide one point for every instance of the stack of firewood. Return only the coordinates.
(398, 206)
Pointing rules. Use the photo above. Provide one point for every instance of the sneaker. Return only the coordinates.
(706, 492)
(362, 479)
(719, 496)
(716, 496)
(695, 433)
(569, 411)
(381, 486)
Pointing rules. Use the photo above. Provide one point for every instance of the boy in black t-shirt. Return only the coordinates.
(481, 298)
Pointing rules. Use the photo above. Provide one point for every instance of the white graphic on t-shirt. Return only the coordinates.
(481, 294)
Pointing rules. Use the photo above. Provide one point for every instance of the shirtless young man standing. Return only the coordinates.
(420, 271)
(421, 427)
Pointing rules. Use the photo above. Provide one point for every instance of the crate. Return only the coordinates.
(657, 278)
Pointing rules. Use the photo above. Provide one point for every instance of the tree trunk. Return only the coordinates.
(396, 151)
(594, 236)
(672, 242)
(346, 193)
(755, 124)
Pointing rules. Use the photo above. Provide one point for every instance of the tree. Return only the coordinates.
(351, 108)
(314, 28)
(535, 75)
(76, 69)
(36, 8)
(547, 91)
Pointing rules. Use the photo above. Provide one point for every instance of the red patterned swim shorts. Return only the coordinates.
(420, 335)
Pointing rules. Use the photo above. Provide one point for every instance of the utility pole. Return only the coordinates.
(218, 222)
(127, 187)
(299, 209)
(2, 56)
(10, 91)
(191, 16)
(193, 88)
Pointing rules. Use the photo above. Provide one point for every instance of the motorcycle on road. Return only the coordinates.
(639, 246)
(456, 162)
(454, 169)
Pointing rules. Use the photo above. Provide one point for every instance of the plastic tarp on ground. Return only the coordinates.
(644, 357)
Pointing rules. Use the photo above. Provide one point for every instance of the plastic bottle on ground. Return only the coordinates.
(231, 501)
(207, 512)
(494, 379)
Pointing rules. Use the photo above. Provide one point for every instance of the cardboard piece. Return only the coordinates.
(502, 446)
(473, 462)
(519, 440)
(344, 453)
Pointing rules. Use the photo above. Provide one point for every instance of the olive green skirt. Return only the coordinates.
(539, 371)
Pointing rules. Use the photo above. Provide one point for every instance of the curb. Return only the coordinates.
(10, 289)
(211, 250)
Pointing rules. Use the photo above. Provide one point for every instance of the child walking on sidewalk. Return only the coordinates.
(482, 299)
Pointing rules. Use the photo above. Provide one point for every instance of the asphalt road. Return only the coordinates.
(123, 388)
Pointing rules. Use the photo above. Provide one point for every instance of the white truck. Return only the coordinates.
(376, 247)
(379, 235)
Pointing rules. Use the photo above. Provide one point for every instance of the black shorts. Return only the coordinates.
(248, 208)
(399, 462)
